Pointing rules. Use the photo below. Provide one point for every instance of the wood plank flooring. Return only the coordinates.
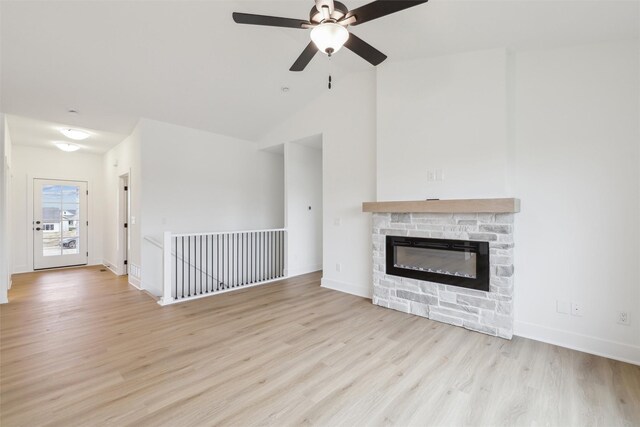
(82, 347)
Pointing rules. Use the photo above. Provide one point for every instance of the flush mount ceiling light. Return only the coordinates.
(76, 134)
(66, 146)
(329, 20)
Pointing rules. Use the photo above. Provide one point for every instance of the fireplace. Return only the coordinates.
(448, 260)
(460, 263)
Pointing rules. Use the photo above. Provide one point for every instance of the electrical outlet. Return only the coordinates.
(338, 267)
(439, 175)
(563, 307)
(576, 309)
(431, 175)
(623, 318)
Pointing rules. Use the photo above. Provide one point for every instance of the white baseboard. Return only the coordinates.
(24, 269)
(585, 343)
(135, 282)
(303, 270)
(348, 288)
(111, 266)
(19, 269)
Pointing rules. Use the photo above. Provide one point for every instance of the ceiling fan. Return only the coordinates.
(328, 21)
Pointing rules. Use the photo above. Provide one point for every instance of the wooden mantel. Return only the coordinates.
(509, 205)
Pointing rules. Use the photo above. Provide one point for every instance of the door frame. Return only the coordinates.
(29, 232)
(124, 235)
(85, 219)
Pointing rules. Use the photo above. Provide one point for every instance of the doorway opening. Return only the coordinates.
(124, 238)
(303, 205)
(60, 223)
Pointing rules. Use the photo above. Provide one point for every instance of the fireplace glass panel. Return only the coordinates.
(452, 263)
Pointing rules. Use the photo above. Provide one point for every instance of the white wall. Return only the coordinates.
(29, 163)
(121, 160)
(197, 181)
(577, 173)
(560, 130)
(445, 113)
(5, 210)
(345, 116)
(303, 190)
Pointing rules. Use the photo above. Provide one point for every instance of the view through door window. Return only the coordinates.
(60, 220)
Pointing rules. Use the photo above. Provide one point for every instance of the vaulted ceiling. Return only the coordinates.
(187, 62)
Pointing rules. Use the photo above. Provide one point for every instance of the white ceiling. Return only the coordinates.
(40, 133)
(187, 62)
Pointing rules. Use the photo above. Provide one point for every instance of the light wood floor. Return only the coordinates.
(81, 347)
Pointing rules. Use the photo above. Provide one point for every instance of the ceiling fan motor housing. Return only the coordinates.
(339, 11)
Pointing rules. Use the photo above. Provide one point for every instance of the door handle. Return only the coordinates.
(37, 228)
(37, 222)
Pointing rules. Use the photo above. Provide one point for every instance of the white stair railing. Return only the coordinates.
(197, 265)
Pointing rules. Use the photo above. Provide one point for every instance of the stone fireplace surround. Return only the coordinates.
(487, 312)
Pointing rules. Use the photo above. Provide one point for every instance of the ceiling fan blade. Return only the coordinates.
(380, 8)
(271, 21)
(305, 57)
(365, 50)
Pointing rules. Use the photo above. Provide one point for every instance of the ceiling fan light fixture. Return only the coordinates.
(66, 146)
(76, 134)
(329, 37)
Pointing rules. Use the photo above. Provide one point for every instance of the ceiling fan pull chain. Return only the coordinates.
(329, 81)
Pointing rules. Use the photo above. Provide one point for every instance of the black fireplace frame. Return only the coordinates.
(481, 249)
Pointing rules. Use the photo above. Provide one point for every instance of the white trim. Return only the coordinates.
(303, 270)
(112, 268)
(21, 269)
(227, 232)
(25, 269)
(123, 216)
(348, 288)
(155, 243)
(171, 301)
(135, 283)
(585, 343)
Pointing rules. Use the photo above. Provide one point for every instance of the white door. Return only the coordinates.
(59, 223)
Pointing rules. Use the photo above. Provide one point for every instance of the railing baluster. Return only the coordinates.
(233, 260)
(273, 255)
(227, 282)
(268, 255)
(270, 250)
(237, 259)
(223, 281)
(182, 269)
(280, 254)
(252, 257)
(206, 264)
(242, 262)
